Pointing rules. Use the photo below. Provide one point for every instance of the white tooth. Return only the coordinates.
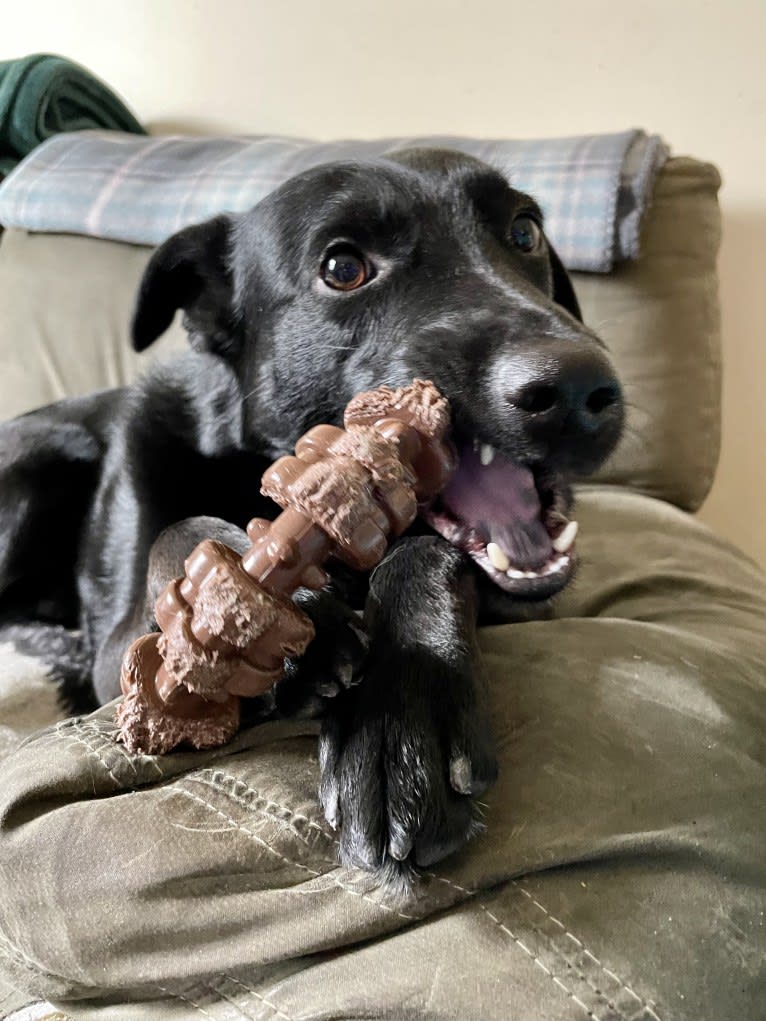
(564, 541)
(487, 454)
(497, 558)
(531, 574)
(513, 573)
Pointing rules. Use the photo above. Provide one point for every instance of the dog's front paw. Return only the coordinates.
(332, 662)
(400, 763)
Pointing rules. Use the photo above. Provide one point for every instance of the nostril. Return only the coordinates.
(601, 399)
(536, 400)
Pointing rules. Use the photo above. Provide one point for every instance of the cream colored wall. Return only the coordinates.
(689, 69)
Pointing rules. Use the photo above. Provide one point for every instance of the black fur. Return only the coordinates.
(96, 494)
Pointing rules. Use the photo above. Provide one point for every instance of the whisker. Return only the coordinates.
(332, 347)
(604, 322)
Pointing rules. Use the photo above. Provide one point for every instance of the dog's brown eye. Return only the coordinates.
(526, 234)
(345, 269)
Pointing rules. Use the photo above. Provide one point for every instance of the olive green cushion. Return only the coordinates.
(66, 305)
(621, 874)
(660, 319)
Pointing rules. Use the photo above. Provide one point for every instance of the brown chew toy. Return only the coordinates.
(229, 623)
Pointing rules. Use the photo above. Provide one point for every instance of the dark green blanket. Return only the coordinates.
(42, 95)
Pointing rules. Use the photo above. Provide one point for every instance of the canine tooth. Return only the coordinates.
(564, 541)
(487, 454)
(497, 558)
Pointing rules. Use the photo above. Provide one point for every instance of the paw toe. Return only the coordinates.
(400, 843)
(447, 834)
(329, 789)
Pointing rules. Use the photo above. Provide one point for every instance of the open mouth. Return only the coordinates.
(511, 519)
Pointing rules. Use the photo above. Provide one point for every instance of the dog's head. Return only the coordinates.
(424, 264)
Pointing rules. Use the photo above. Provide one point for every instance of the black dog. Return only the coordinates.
(349, 276)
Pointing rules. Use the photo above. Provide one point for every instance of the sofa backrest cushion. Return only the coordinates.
(65, 304)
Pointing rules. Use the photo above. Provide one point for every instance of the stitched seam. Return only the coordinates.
(540, 964)
(106, 733)
(579, 971)
(48, 736)
(243, 1010)
(329, 874)
(75, 729)
(522, 946)
(244, 829)
(296, 816)
(262, 804)
(586, 951)
(285, 809)
(262, 998)
(518, 941)
(185, 999)
(80, 739)
(644, 1004)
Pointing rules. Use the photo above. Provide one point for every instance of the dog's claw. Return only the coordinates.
(328, 782)
(345, 673)
(400, 846)
(387, 777)
(460, 774)
(329, 802)
(331, 664)
(473, 774)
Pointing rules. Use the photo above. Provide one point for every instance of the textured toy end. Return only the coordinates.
(147, 724)
(229, 623)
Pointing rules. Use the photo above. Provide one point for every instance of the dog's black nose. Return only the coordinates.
(564, 395)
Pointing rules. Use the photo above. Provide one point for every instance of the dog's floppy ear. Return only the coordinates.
(190, 271)
(563, 291)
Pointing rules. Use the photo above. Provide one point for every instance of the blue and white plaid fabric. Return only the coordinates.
(593, 189)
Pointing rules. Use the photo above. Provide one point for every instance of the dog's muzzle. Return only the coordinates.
(556, 410)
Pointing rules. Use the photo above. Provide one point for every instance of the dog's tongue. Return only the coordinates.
(499, 502)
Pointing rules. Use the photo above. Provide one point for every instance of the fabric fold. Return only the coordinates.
(625, 827)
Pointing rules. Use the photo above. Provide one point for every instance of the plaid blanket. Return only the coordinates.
(593, 189)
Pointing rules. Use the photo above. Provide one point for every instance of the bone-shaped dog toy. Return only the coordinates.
(229, 623)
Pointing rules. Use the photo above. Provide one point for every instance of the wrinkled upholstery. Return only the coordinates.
(621, 872)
